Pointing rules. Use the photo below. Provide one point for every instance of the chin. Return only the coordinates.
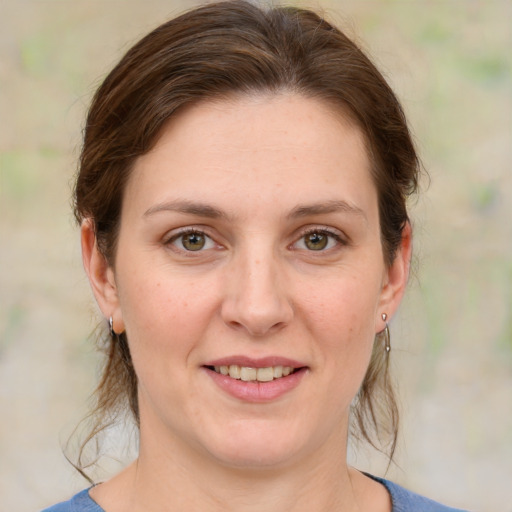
(257, 446)
(254, 457)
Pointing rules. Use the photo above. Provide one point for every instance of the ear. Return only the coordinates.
(395, 279)
(101, 276)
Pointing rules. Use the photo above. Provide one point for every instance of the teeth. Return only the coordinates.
(234, 371)
(249, 374)
(265, 374)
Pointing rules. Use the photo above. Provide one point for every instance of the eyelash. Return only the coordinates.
(312, 231)
(184, 232)
(323, 231)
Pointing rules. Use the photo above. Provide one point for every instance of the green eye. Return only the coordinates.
(316, 241)
(193, 241)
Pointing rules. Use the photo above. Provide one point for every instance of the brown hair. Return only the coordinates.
(214, 51)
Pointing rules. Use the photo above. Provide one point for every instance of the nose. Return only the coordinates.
(256, 298)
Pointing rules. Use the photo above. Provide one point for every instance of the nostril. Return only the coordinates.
(235, 325)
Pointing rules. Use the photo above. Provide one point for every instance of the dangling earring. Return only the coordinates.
(387, 338)
(121, 341)
(113, 334)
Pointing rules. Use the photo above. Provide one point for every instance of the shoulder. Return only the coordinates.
(81, 502)
(408, 501)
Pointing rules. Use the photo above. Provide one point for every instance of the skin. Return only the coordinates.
(271, 168)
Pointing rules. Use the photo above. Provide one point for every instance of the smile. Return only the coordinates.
(250, 374)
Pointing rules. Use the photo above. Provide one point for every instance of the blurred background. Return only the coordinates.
(449, 61)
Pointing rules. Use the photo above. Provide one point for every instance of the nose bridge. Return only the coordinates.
(257, 296)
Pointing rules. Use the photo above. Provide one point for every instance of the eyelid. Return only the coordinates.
(340, 238)
(174, 235)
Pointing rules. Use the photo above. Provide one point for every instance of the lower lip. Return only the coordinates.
(257, 392)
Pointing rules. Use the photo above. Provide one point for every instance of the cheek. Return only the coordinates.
(346, 307)
(341, 320)
(164, 315)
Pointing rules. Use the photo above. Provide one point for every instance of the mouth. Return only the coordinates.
(252, 374)
(256, 380)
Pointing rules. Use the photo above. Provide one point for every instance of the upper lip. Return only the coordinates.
(251, 362)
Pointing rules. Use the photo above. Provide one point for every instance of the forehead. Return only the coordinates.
(270, 147)
(252, 120)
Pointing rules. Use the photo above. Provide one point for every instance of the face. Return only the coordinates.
(250, 279)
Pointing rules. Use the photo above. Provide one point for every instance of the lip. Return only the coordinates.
(256, 392)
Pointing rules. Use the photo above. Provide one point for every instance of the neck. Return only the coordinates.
(200, 487)
(178, 478)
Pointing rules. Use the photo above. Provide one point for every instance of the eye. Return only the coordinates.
(192, 241)
(318, 240)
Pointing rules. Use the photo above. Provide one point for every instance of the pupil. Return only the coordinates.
(316, 241)
(193, 241)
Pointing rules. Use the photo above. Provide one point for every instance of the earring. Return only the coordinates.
(387, 338)
(111, 327)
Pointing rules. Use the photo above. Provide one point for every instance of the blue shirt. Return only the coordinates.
(402, 499)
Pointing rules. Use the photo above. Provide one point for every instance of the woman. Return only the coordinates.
(242, 201)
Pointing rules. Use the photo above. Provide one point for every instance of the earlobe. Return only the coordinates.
(396, 277)
(100, 273)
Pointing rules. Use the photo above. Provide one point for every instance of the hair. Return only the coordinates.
(215, 51)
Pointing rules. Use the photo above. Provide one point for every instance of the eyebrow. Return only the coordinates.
(211, 212)
(334, 206)
(187, 207)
